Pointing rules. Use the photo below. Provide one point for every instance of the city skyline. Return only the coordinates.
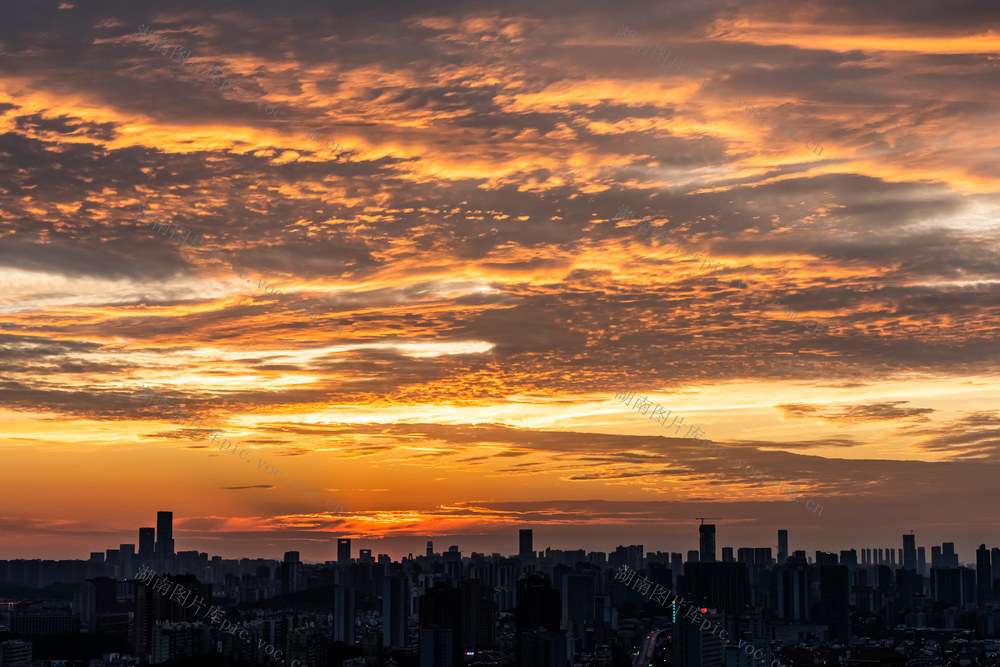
(538, 608)
(707, 541)
(401, 259)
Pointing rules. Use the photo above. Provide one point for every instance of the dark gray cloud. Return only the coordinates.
(871, 412)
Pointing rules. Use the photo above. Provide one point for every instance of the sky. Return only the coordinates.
(445, 282)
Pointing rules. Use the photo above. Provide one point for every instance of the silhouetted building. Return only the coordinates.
(631, 555)
(793, 590)
(343, 614)
(718, 585)
(782, 546)
(538, 608)
(395, 602)
(577, 591)
(909, 558)
(706, 542)
(291, 573)
(14, 652)
(835, 607)
(909, 585)
(542, 649)
(164, 534)
(984, 578)
(437, 648)
(693, 647)
(154, 606)
(525, 549)
(96, 597)
(344, 551)
(179, 642)
(946, 585)
(146, 543)
(948, 555)
(44, 624)
(440, 611)
(126, 555)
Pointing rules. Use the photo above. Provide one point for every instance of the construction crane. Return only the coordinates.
(707, 517)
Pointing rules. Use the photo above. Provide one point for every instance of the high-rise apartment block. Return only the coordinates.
(164, 534)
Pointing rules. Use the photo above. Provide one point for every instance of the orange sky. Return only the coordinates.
(492, 302)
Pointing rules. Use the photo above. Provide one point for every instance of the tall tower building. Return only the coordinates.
(525, 543)
(430, 548)
(146, 542)
(538, 607)
(910, 552)
(291, 573)
(343, 551)
(706, 542)
(948, 554)
(164, 534)
(922, 561)
(782, 546)
(343, 614)
(395, 599)
(984, 579)
(835, 608)
(440, 619)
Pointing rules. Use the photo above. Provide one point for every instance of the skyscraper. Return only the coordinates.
(706, 542)
(343, 551)
(343, 614)
(440, 619)
(909, 552)
(835, 608)
(430, 549)
(291, 573)
(164, 534)
(984, 579)
(146, 542)
(718, 585)
(395, 599)
(525, 551)
(782, 546)
(126, 556)
(538, 607)
(948, 554)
